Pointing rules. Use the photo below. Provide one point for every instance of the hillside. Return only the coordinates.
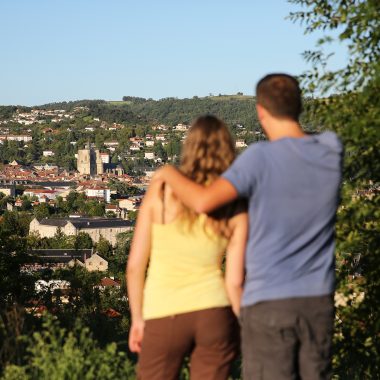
(234, 109)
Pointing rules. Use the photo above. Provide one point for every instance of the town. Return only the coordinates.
(77, 177)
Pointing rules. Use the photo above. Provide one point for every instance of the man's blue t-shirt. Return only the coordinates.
(293, 189)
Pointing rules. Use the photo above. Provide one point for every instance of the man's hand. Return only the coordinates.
(163, 173)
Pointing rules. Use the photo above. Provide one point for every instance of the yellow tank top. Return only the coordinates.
(184, 271)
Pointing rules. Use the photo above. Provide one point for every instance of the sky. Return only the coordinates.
(61, 50)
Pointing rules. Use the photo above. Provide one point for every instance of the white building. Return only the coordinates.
(105, 157)
(48, 153)
(181, 127)
(149, 156)
(41, 194)
(240, 144)
(98, 192)
(112, 144)
(108, 228)
(131, 203)
(24, 138)
(96, 263)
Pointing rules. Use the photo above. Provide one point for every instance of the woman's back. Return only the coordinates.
(185, 264)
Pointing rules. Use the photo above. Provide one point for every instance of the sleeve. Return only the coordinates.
(244, 172)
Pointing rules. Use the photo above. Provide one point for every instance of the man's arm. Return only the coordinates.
(198, 197)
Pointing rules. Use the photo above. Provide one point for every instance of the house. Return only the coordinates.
(60, 256)
(105, 157)
(240, 144)
(18, 203)
(48, 153)
(149, 156)
(113, 209)
(109, 282)
(149, 143)
(8, 190)
(111, 144)
(41, 194)
(23, 138)
(99, 193)
(181, 127)
(131, 203)
(96, 227)
(96, 263)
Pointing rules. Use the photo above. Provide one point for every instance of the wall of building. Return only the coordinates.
(69, 229)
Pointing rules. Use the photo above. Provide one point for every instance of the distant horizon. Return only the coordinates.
(53, 52)
(121, 101)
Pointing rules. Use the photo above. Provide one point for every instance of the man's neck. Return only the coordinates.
(279, 129)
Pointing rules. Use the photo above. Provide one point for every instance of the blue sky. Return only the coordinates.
(103, 49)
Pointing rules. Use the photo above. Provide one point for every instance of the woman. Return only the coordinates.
(181, 307)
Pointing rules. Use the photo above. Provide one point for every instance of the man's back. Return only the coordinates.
(293, 188)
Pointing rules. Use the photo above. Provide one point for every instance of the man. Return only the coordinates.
(292, 182)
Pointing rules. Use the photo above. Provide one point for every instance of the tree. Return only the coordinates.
(56, 353)
(353, 111)
(83, 241)
(104, 248)
(42, 211)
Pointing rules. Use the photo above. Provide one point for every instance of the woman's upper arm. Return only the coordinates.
(236, 249)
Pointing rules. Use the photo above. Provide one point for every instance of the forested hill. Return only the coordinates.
(235, 109)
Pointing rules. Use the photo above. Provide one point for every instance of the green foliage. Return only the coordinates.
(355, 115)
(58, 354)
(170, 111)
(117, 262)
(16, 223)
(83, 241)
(124, 189)
(42, 211)
(104, 248)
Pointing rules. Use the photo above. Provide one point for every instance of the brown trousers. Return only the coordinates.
(210, 337)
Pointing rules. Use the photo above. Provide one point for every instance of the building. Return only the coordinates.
(96, 263)
(105, 157)
(131, 203)
(98, 193)
(23, 138)
(96, 227)
(114, 210)
(8, 190)
(109, 282)
(149, 156)
(48, 153)
(181, 127)
(61, 258)
(240, 144)
(89, 161)
(55, 258)
(41, 194)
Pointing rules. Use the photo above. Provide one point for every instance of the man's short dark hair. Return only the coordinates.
(280, 94)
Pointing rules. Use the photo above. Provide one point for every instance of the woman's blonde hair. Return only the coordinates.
(207, 152)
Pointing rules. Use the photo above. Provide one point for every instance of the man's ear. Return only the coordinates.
(261, 112)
